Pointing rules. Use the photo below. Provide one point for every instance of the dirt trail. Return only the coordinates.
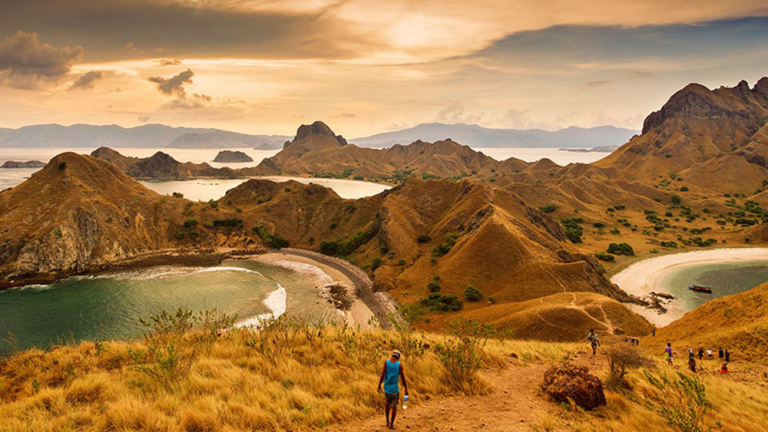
(516, 404)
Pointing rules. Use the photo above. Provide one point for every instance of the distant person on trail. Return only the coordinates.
(720, 353)
(668, 354)
(691, 355)
(654, 332)
(593, 341)
(390, 376)
(692, 364)
(701, 353)
(724, 368)
(727, 356)
(709, 353)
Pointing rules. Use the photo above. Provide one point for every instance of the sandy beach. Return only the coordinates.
(643, 277)
(359, 314)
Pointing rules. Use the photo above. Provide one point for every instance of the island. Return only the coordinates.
(232, 156)
(27, 164)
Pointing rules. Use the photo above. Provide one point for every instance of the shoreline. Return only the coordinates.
(642, 277)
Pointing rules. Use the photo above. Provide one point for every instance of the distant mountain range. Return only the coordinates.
(162, 136)
(147, 136)
(478, 136)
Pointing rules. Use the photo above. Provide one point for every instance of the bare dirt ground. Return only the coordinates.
(516, 404)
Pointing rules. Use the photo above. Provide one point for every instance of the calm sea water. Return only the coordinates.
(725, 279)
(108, 306)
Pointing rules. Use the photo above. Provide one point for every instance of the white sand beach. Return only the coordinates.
(359, 314)
(643, 277)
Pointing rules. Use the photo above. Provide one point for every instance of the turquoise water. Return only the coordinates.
(725, 279)
(108, 306)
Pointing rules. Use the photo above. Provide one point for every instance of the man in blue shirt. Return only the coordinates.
(390, 376)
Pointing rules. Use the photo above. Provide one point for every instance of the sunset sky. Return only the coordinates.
(367, 66)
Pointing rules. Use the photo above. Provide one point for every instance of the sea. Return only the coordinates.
(109, 306)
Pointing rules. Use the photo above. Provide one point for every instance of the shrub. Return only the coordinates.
(472, 294)
(443, 248)
(573, 230)
(462, 354)
(622, 358)
(376, 263)
(423, 238)
(177, 195)
(675, 199)
(442, 303)
(681, 401)
(189, 223)
(549, 208)
(602, 256)
(228, 223)
(329, 248)
(62, 166)
(684, 189)
(669, 244)
(620, 249)
(334, 225)
(213, 204)
(434, 287)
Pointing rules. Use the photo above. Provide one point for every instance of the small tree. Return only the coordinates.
(622, 358)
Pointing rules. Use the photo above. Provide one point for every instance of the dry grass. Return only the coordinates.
(301, 378)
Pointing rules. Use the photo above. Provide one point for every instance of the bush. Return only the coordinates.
(62, 166)
(329, 248)
(177, 195)
(602, 256)
(681, 401)
(621, 249)
(442, 303)
(228, 223)
(443, 248)
(189, 223)
(675, 199)
(462, 354)
(423, 238)
(573, 230)
(375, 263)
(622, 358)
(472, 294)
(434, 287)
(549, 208)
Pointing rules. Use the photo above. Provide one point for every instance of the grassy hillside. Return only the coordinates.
(297, 377)
(737, 322)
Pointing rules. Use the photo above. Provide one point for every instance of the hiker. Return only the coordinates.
(593, 341)
(668, 353)
(692, 364)
(701, 353)
(727, 356)
(654, 332)
(724, 368)
(720, 353)
(691, 354)
(390, 376)
(709, 353)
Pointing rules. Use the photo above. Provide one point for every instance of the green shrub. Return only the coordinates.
(189, 223)
(602, 256)
(573, 230)
(272, 241)
(675, 199)
(228, 223)
(443, 248)
(681, 401)
(472, 294)
(423, 238)
(442, 303)
(434, 287)
(549, 208)
(621, 249)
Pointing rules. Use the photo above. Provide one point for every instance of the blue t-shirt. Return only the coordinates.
(392, 378)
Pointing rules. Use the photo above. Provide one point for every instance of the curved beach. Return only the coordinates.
(643, 277)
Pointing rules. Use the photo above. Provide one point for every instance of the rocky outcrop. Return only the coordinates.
(27, 164)
(574, 383)
(162, 166)
(232, 156)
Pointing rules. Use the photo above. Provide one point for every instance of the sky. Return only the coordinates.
(363, 66)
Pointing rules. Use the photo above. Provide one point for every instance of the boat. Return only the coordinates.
(700, 289)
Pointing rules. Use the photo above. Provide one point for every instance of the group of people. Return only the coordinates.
(723, 355)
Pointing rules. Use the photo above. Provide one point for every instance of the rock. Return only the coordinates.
(232, 156)
(566, 382)
(27, 164)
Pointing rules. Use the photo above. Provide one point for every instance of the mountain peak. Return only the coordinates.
(318, 128)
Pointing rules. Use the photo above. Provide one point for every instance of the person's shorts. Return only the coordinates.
(393, 399)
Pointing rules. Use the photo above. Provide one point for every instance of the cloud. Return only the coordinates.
(87, 80)
(593, 84)
(174, 85)
(345, 115)
(25, 62)
(642, 75)
(169, 62)
(453, 112)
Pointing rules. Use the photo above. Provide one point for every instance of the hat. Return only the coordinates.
(396, 354)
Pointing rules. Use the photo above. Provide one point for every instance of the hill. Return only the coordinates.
(478, 136)
(161, 166)
(318, 151)
(737, 322)
(147, 136)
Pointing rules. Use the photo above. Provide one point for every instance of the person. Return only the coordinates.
(691, 354)
(692, 364)
(720, 353)
(654, 332)
(709, 353)
(727, 356)
(668, 353)
(593, 340)
(724, 368)
(701, 353)
(391, 374)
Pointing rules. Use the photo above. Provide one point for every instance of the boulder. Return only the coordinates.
(569, 382)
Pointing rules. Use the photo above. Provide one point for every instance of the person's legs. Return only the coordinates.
(386, 411)
(394, 414)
